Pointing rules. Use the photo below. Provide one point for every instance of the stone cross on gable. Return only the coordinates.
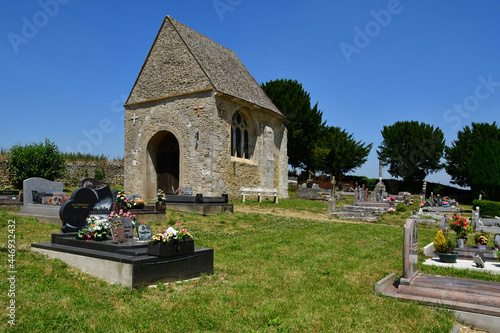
(134, 118)
(197, 108)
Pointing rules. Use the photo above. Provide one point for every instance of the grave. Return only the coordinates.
(486, 224)
(473, 301)
(9, 199)
(42, 199)
(199, 204)
(312, 191)
(127, 262)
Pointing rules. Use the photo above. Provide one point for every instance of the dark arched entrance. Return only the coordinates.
(167, 163)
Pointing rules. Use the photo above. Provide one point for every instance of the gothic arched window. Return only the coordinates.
(240, 137)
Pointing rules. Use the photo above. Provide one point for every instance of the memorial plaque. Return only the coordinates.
(497, 240)
(118, 235)
(125, 223)
(410, 251)
(144, 232)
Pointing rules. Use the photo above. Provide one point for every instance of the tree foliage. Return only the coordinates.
(35, 160)
(338, 152)
(473, 159)
(411, 150)
(302, 122)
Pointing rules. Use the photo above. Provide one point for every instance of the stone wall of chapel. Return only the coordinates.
(206, 164)
(178, 116)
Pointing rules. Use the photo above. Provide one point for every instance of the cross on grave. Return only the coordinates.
(134, 118)
(197, 108)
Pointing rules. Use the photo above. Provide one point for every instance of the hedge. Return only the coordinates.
(487, 208)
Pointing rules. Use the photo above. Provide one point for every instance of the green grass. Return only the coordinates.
(272, 274)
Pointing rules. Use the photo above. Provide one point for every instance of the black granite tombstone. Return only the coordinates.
(85, 202)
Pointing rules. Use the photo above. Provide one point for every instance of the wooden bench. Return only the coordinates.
(259, 192)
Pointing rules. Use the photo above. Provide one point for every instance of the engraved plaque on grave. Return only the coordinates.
(144, 232)
(125, 223)
(410, 251)
(118, 235)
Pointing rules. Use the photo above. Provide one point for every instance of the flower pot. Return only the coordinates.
(160, 206)
(448, 257)
(481, 247)
(171, 248)
(460, 242)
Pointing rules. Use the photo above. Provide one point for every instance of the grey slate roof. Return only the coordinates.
(223, 68)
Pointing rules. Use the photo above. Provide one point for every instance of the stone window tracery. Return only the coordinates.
(240, 137)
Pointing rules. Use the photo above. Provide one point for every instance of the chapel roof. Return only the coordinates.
(219, 65)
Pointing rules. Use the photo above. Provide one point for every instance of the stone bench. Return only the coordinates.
(259, 192)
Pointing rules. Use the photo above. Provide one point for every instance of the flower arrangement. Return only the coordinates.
(95, 229)
(390, 210)
(390, 199)
(160, 196)
(442, 244)
(481, 239)
(136, 204)
(496, 253)
(172, 233)
(460, 225)
(120, 196)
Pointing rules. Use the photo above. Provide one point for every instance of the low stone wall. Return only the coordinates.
(113, 172)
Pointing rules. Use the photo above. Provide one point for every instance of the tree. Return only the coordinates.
(473, 159)
(35, 160)
(338, 152)
(411, 150)
(302, 122)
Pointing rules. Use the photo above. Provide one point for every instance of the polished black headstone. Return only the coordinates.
(85, 202)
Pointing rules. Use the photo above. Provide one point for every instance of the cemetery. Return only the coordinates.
(204, 234)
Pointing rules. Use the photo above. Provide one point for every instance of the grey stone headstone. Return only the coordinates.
(332, 202)
(410, 251)
(144, 232)
(39, 185)
(478, 261)
(497, 240)
(443, 224)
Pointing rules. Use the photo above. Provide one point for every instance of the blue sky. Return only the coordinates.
(68, 65)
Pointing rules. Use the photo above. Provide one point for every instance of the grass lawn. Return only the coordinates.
(272, 274)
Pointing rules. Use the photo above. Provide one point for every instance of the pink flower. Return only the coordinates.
(177, 223)
(183, 230)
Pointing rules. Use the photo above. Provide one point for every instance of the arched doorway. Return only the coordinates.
(164, 153)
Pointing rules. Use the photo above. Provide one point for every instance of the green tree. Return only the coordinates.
(473, 159)
(338, 152)
(35, 160)
(411, 150)
(302, 122)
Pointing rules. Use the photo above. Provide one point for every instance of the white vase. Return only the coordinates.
(460, 242)
(481, 247)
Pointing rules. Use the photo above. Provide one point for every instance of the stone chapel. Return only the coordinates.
(196, 118)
